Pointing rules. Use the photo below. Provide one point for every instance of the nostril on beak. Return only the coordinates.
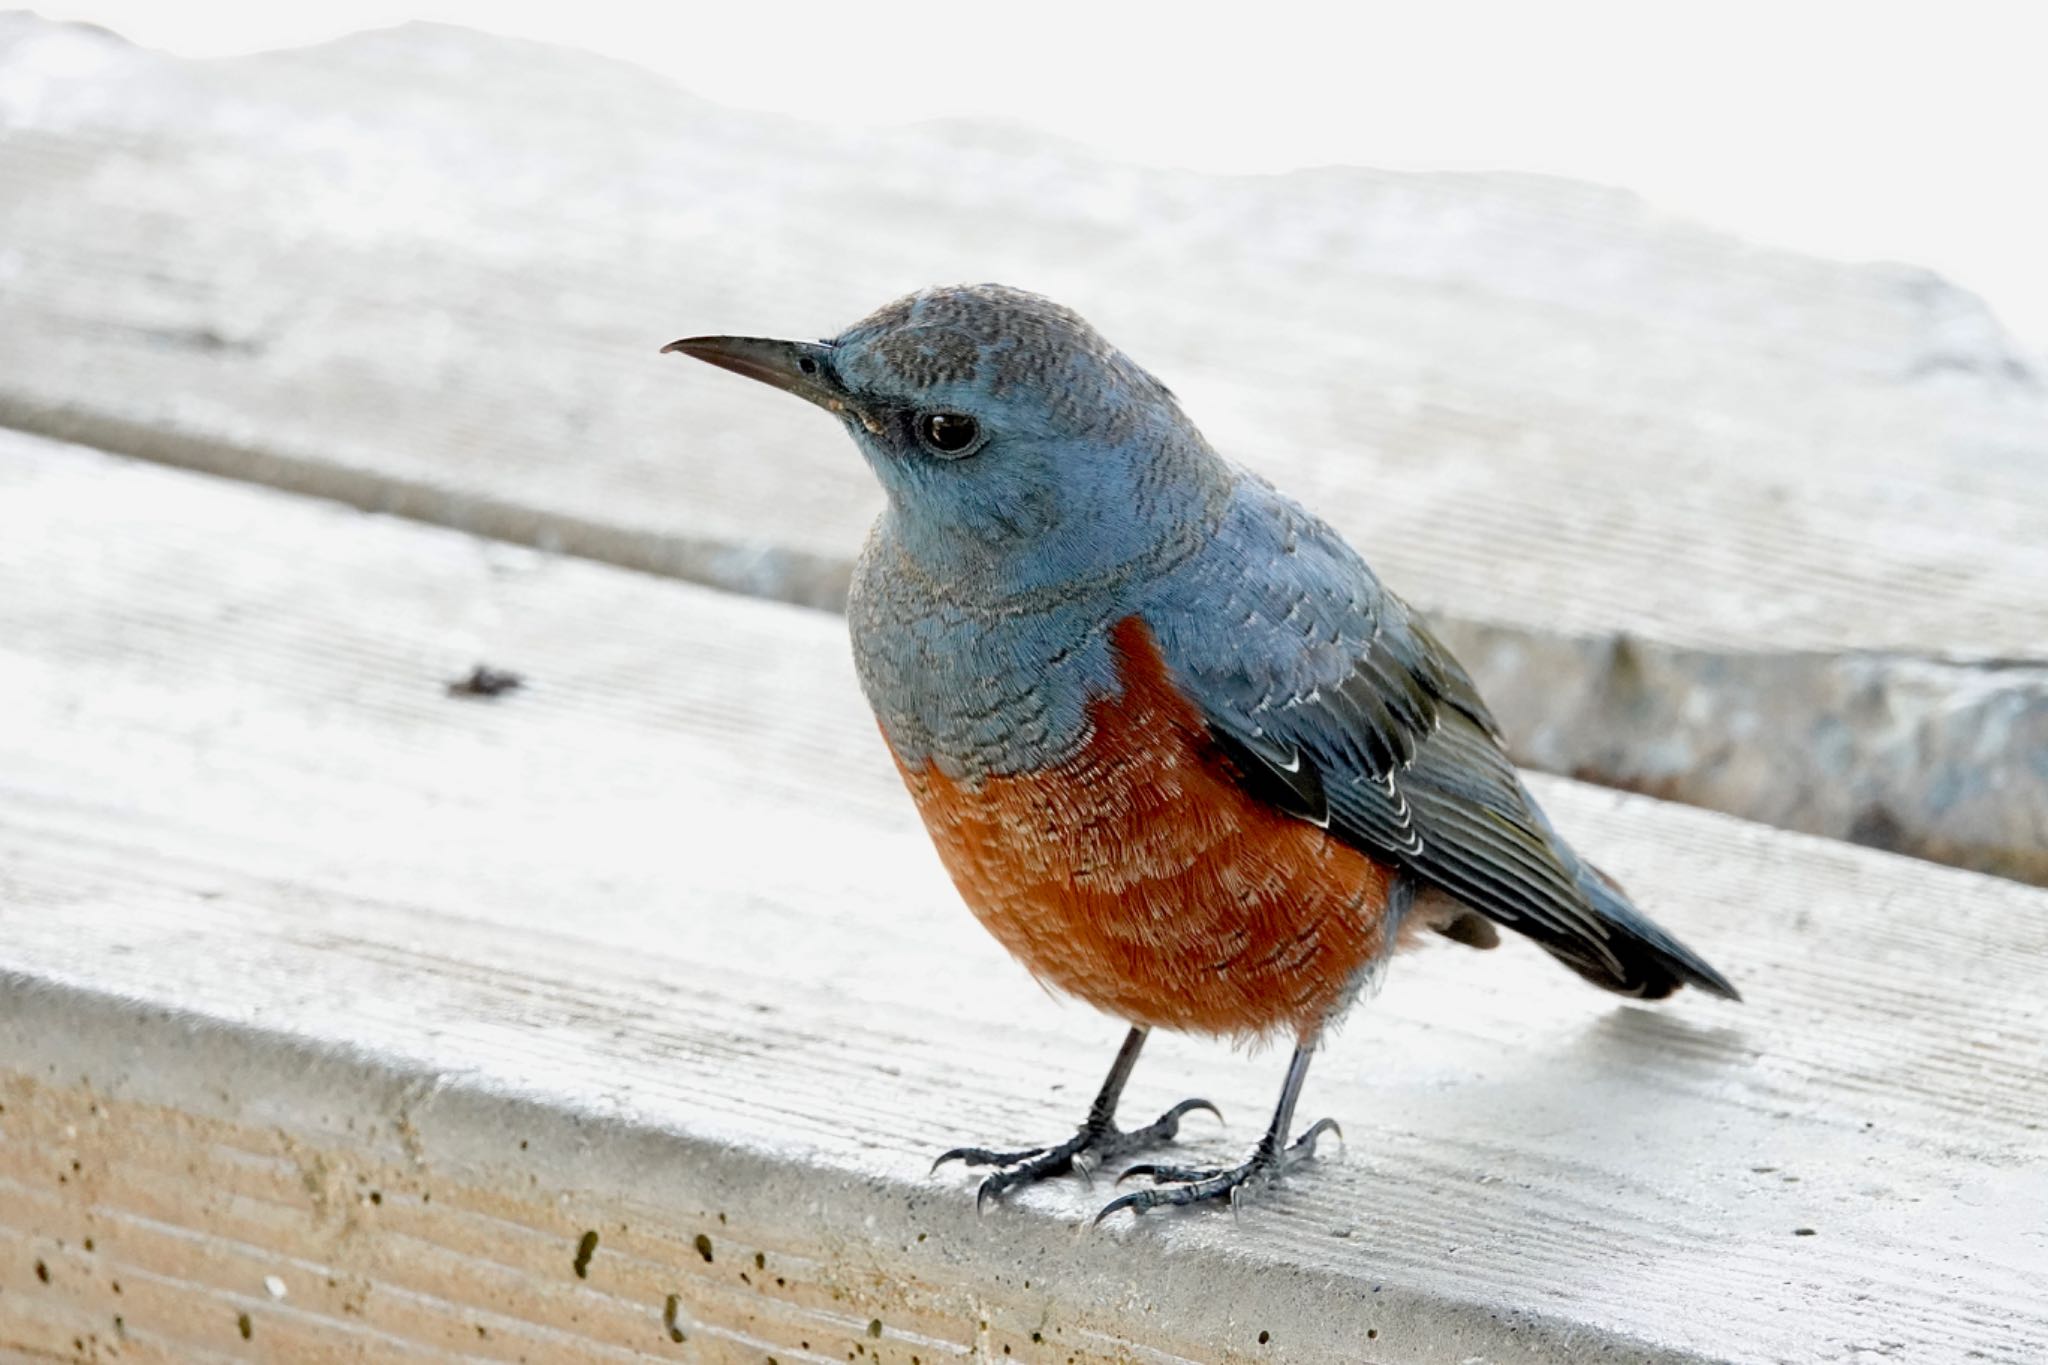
(807, 365)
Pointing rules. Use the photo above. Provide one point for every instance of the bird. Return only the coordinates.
(1179, 749)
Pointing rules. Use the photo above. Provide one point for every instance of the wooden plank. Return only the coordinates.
(316, 972)
(426, 271)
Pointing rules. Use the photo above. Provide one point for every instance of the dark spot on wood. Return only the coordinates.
(875, 1327)
(376, 1196)
(485, 681)
(246, 1327)
(670, 1311)
(704, 1246)
(42, 1272)
(1372, 1334)
(1265, 1337)
(1802, 1232)
(206, 340)
(760, 1261)
(586, 1247)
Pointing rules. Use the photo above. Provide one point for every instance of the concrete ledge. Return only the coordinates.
(169, 1174)
(310, 970)
(425, 271)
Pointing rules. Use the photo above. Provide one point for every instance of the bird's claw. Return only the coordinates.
(1168, 1123)
(1084, 1152)
(1163, 1175)
(1305, 1145)
(982, 1156)
(1181, 1185)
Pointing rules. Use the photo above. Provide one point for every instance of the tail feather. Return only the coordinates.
(1653, 963)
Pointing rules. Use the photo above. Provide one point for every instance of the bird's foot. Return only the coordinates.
(1180, 1185)
(1096, 1142)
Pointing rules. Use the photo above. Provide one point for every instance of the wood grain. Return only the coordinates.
(317, 972)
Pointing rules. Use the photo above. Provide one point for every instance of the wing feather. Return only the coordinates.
(1341, 706)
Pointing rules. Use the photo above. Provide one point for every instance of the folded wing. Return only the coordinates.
(1339, 705)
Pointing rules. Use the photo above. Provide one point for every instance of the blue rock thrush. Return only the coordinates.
(1180, 751)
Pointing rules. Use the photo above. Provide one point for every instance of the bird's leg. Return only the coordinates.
(1097, 1140)
(1274, 1155)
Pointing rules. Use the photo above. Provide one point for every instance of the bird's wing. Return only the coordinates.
(1337, 703)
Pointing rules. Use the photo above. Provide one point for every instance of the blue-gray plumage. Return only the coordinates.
(1182, 751)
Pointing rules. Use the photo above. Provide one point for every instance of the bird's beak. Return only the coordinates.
(803, 368)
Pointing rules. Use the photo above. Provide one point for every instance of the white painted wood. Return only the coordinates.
(653, 948)
(427, 271)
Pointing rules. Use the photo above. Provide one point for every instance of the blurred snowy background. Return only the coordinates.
(1906, 132)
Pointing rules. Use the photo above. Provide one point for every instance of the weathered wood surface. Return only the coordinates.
(426, 271)
(311, 971)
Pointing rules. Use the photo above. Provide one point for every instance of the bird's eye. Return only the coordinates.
(948, 434)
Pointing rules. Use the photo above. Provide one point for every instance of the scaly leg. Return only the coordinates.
(1273, 1156)
(1097, 1140)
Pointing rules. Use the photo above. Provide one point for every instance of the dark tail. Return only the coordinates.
(1653, 964)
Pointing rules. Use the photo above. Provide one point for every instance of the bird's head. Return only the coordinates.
(1016, 445)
